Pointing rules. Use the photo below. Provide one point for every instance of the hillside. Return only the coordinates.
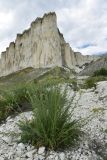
(29, 75)
(93, 66)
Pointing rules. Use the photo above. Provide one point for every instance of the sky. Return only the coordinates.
(82, 22)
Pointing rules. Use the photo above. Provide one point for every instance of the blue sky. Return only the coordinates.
(82, 22)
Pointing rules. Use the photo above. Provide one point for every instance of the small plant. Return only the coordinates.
(98, 109)
(52, 125)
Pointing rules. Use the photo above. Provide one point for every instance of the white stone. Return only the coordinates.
(30, 154)
(62, 156)
(7, 139)
(21, 146)
(1, 158)
(41, 150)
(18, 158)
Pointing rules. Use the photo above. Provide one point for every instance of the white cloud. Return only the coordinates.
(5, 18)
(81, 22)
(85, 24)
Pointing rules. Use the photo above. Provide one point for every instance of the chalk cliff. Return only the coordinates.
(41, 46)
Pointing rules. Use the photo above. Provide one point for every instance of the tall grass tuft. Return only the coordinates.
(52, 125)
(7, 104)
(12, 100)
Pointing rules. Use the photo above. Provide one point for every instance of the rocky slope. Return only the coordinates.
(93, 145)
(96, 65)
(41, 46)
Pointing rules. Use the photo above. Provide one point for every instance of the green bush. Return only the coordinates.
(91, 81)
(11, 101)
(7, 103)
(99, 75)
(100, 72)
(52, 125)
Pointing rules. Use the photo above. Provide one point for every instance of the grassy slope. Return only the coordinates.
(14, 87)
(30, 74)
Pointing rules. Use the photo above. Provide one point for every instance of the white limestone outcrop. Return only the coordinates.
(41, 46)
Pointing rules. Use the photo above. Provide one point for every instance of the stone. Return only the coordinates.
(62, 156)
(7, 139)
(19, 153)
(1, 158)
(21, 146)
(41, 150)
(30, 154)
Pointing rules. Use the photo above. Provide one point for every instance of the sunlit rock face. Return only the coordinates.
(41, 46)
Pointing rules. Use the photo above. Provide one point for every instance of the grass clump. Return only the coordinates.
(7, 105)
(98, 109)
(51, 125)
(12, 100)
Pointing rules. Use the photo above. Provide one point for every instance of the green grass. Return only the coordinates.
(12, 100)
(91, 81)
(52, 125)
(7, 104)
(99, 75)
(13, 97)
(98, 109)
(14, 87)
(100, 72)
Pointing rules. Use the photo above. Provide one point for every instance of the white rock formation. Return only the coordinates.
(41, 46)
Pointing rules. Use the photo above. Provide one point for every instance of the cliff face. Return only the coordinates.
(42, 45)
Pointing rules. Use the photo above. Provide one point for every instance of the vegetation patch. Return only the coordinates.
(98, 109)
(52, 125)
(14, 97)
(100, 72)
(99, 75)
(12, 101)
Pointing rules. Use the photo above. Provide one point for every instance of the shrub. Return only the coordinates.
(100, 72)
(91, 81)
(7, 103)
(99, 75)
(51, 125)
(11, 101)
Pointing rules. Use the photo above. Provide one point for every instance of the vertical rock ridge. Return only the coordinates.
(40, 46)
